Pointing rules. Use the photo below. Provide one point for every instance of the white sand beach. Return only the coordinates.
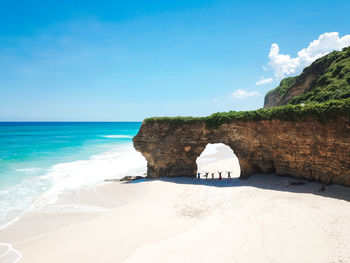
(261, 219)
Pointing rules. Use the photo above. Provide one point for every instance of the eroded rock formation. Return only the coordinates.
(305, 149)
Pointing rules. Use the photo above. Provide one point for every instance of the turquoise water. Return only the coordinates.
(41, 158)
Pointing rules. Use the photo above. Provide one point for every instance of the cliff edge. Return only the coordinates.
(327, 78)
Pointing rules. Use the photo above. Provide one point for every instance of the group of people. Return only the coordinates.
(206, 175)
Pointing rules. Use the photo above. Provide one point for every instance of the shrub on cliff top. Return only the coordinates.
(320, 111)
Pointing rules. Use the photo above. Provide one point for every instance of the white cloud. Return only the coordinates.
(242, 94)
(284, 65)
(263, 81)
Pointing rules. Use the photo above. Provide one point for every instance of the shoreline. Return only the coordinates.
(261, 219)
(77, 206)
(72, 177)
(41, 184)
(193, 214)
(39, 223)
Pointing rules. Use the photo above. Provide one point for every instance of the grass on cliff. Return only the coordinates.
(334, 84)
(321, 111)
(327, 98)
(284, 86)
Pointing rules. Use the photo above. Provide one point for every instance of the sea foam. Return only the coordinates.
(123, 160)
(37, 191)
(10, 255)
(29, 170)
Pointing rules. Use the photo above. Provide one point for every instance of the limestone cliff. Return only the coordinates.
(307, 148)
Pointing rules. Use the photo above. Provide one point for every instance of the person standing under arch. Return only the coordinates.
(220, 177)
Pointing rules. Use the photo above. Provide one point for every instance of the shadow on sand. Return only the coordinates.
(265, 181)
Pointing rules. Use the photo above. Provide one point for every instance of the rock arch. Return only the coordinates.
(305, 148)
(218, 157)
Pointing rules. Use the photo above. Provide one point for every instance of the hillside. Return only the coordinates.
(328, 78)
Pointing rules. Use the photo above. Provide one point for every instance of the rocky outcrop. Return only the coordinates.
(272, 99)
(305, 149)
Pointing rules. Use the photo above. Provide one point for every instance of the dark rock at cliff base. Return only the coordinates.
(297, 183)
(127, 178)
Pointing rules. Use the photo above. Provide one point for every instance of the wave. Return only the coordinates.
(38, 191)
(17, 199)
(117, 136)
(10, 254)
(28, 170)
(121, 161)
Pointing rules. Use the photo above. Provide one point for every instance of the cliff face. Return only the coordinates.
(301, 85)
(327, 78)
(275, 96)
(307, 149)
(272, 99)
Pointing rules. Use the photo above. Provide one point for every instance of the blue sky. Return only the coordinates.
(127, 60)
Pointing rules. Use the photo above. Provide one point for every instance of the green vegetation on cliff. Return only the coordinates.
(327, 98)
(334, 83)
(284, 86)
(321, 111)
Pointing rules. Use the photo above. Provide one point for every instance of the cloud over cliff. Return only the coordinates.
(263, 81)
(242, 94)
(283, 64)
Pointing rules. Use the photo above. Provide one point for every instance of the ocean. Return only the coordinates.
(40, 160)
